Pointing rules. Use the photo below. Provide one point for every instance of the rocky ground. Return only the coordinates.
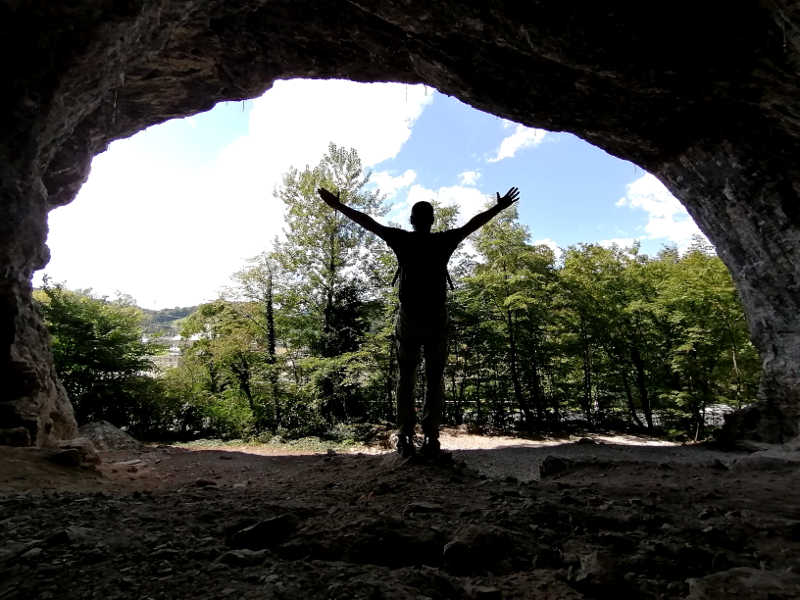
(606, 517)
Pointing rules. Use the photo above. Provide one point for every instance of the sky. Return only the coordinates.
(169, 214)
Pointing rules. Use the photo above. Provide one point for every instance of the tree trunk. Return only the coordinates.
(460, 401)
(513, 366)
(535, 386)
(629, 396)
(327, 326)
(478, 404)
(242, 371)
(272, 357)
(586, 402)
(641, 386)
(497, 400)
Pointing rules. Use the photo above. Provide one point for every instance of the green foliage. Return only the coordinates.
(301, 344)
(326, 260)
(302, 413)
(230, 363)
(330, 276)
(508, 297)
(610, 336)
(288, 343)
(100, 356)
(229, 415)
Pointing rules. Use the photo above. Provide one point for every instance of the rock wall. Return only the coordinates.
(34, 409)
(703, 94)
(750, 200)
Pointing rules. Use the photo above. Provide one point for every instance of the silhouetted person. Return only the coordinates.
(422, 319)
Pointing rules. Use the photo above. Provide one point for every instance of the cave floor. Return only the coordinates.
(606, 520)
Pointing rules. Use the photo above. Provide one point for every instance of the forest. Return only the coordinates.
(300, 343)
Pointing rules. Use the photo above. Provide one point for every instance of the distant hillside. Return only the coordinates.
(165, 322)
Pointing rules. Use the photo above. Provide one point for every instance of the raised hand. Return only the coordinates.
(329, 198)
(511, 196)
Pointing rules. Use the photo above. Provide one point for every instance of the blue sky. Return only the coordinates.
(170, 213)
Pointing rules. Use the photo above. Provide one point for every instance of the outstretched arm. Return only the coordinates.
(359, 217)
(483, 218)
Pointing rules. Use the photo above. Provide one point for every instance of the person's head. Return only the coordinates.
(422, 216)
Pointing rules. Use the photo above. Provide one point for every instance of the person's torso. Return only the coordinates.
(423, 262)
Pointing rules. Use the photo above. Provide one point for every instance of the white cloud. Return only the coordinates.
(469, 177)
(293, 122)
(390, 184)
(170, 232)
(667, 218)
(620, 242)
(523, 137)
(550, 243)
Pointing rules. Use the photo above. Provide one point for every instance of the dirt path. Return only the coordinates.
(610, 519)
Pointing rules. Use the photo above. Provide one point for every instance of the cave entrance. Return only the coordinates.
(177, 209)
(714, 117)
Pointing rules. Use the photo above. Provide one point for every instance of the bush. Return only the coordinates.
(302, 416)
(100, 356)
(228, 416)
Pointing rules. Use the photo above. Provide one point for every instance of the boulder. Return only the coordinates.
(105, 436)
(745, 582)
(77, 452)
(84, 447)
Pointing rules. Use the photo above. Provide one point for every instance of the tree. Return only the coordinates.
(254, 298)
(710, 354)
(510, 288)
(326, 288)
(227, 346)
(100, 355)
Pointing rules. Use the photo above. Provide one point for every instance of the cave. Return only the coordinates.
(706, 96)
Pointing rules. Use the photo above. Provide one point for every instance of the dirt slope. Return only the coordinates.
(606, 521)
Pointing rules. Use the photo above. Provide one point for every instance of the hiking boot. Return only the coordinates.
(431, 448)
(405, 445)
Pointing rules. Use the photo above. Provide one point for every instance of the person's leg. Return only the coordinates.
(407, 359)
(435, 361)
